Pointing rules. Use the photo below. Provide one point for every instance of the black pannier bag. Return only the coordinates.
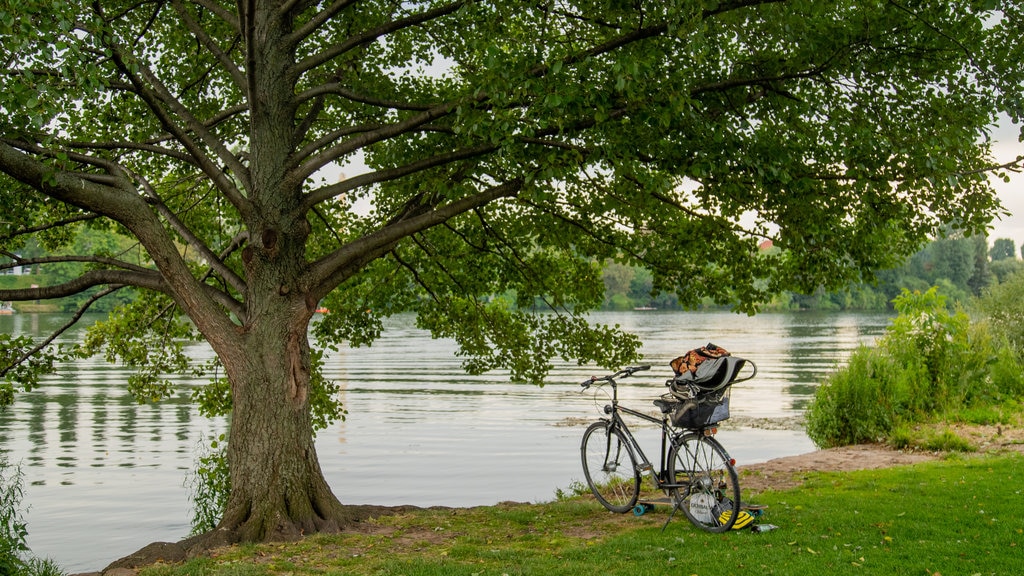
(702, 411)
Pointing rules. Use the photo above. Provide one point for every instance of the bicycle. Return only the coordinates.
(694, 470)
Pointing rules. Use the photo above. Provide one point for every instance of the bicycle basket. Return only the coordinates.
(701, 411)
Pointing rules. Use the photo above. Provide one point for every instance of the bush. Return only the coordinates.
(42, 567)
(850, 406)
(1001, 308)
(947, 441)
(930, 362)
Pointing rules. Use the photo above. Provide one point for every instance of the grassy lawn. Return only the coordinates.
(963, 515)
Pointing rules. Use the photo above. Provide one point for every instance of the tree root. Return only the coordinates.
(204, 544)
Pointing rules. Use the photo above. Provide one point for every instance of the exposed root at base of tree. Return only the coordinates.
(201, 545)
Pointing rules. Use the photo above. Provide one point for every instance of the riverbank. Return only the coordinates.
(107, 476)
(777, 475)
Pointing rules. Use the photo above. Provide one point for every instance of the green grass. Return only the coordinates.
(957, 516)
(1007, 412)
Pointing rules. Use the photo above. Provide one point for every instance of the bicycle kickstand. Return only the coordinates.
(675, 506)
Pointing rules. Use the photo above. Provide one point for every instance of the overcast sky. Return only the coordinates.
(1006, 149)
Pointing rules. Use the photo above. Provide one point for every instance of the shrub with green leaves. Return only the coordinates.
(931, 362)
(853, 405)
(1001, 308)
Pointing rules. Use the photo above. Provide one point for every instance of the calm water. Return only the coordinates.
(105, 476)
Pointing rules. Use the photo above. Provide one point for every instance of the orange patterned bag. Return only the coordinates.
(691, 360)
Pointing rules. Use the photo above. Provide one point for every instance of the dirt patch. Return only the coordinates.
(791, 471)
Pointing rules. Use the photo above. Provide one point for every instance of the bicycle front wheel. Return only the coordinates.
(610, 467)
(709, 492)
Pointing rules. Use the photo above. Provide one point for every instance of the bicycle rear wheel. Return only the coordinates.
(711, 496)
(609, 467)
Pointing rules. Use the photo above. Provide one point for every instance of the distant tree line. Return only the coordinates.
(959, 267)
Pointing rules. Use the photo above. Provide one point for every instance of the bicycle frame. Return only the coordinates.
(668, 434)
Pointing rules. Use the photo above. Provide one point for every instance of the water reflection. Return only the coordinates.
(85, 414)
(106, 475)
(792, 351)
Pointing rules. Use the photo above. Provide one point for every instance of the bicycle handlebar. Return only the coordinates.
(627, 371)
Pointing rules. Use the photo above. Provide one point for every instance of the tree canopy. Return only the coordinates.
(495, 153)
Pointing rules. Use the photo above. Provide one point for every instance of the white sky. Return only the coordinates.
(1006, 149)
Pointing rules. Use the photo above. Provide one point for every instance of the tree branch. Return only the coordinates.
(323, 194)
(349, 146)
(338, 266)
(339, 89)
(67, 325)
(131, 146)
(210, 44)
(107, 261)
(315, 22)
(368, 36)
(217, 9)
(51, 226)
(326, 139)
(152, 91)
(149, 279)
(115, 170)
(204, 251)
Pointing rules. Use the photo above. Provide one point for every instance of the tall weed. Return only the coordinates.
(15, 556)
(12, 528)
(209, 486)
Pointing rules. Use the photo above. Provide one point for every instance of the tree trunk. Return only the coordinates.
(278, 491)
(277, 487)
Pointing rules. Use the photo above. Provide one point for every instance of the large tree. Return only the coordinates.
(495, 153)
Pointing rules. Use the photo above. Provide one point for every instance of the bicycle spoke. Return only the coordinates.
(710, 498)
(609, 467)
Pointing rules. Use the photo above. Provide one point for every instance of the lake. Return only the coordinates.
(105, 476)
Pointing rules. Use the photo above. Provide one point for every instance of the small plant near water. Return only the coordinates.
(12, 528)
(931, 363)
(947, 441)
(15, 557)
(209, 486)
(576, 488)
